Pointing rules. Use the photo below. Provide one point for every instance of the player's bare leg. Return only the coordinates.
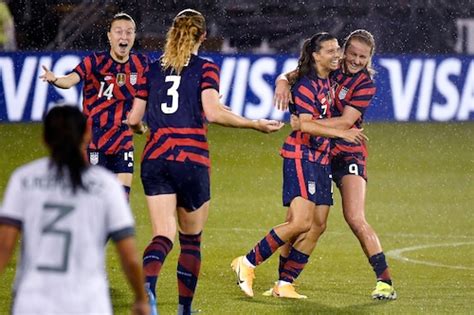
(353, 190)
(126, 180)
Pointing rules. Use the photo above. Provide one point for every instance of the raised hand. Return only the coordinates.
(48, 76)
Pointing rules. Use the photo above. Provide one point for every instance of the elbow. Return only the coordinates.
(212, 116)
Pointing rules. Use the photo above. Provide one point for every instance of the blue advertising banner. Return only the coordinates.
(409, 88)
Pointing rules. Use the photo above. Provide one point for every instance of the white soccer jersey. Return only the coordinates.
(62, 263)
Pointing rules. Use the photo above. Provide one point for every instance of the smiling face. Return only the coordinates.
(328, 57)
(121, 37)
(356, 56)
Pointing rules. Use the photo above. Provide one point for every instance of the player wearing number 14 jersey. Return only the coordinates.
(110, 83)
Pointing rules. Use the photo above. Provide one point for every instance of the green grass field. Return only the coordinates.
(420, 201)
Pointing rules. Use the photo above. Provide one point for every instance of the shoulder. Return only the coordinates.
(207, 64)
(364, 77)
(303, 81)
(30, 168)
(144, 59)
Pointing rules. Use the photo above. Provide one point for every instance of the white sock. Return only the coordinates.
(282, 283)
(248, 263)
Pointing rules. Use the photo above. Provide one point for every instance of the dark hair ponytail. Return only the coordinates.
(306, 62)
(64, 130)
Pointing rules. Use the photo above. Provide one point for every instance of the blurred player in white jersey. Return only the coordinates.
(66, 210)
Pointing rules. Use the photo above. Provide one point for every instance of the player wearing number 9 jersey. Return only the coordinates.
(110, 83)
(180, 96)
(354, 91)
(66, 211)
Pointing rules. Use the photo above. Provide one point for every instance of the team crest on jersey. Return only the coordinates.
(121, 79)
(133, 78)
(311, 187)
(94, 158)
(343, 93)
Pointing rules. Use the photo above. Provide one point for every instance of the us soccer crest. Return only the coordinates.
(94, 158)
(133, 78)
(343, 93)
(120, 79)
(312, 187)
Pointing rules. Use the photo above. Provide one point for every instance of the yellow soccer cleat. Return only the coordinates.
(287, 291)
(384, 291)
(245, 275)
(269, 292)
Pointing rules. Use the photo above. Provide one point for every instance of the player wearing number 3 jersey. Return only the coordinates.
(180, 96)
(110, 83)
(66, 211)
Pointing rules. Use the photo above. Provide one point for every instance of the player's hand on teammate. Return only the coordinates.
(268, 126)
(354, 135)
(295, 123)
(282, 96)
(48, 76)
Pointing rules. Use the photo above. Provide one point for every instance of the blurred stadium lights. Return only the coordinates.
(271, 26)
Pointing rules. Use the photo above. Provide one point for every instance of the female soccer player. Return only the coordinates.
(306, 171)
(110, 82)
(354, 92)
(66, 211)
(181, 93)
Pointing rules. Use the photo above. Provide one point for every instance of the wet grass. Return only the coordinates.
(420, 194)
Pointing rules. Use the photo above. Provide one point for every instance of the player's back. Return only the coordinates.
(175, 114)
(64, 235)
(174, 101)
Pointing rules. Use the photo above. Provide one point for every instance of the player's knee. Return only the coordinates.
(299, 226)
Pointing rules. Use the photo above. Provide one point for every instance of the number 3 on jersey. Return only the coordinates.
(173, 92)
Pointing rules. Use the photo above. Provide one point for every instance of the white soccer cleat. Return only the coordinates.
(245, 275)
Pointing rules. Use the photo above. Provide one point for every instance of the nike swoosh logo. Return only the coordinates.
(238, 276)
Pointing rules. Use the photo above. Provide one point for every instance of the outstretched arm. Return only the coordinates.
(131, 266)
(64, 82)
(216, 113)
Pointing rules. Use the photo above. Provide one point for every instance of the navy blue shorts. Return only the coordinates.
(190, 182)
(302, 178)
(117, 163)
(343, 165)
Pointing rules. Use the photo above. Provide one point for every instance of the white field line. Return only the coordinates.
(398, 255)
(348, 232)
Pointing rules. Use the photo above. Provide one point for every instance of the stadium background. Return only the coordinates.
(420, 194)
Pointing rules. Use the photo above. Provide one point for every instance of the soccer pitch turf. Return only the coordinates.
(420, 201)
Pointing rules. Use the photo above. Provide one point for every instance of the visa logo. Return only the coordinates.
(430, 89)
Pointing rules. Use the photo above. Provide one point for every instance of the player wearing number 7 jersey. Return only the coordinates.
(181, 93)
(67, 210)
(110, 83)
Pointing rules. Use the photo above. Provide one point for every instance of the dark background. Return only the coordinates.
(273, 26)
